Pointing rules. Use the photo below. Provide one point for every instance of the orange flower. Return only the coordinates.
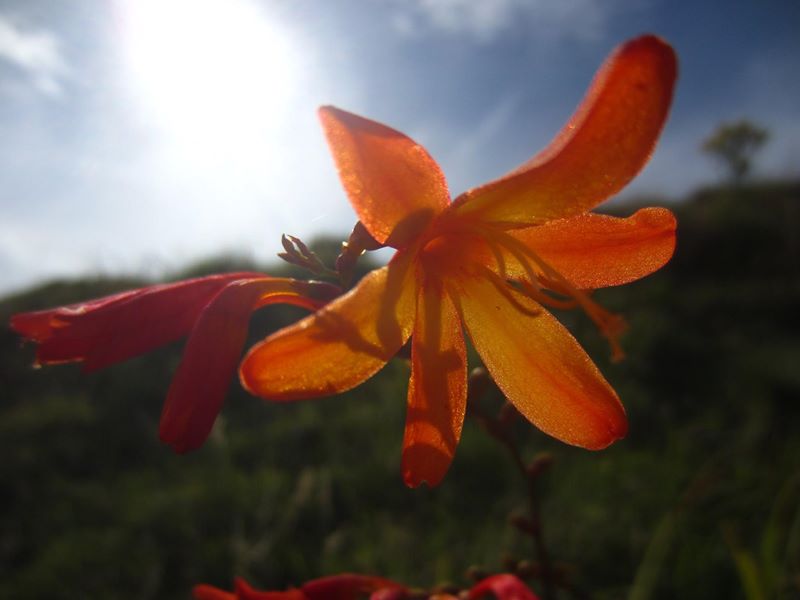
(488, 261)
(213, 311)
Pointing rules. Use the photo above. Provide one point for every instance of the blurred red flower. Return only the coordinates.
(348, 586)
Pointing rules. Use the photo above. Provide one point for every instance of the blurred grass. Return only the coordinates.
(699, 501)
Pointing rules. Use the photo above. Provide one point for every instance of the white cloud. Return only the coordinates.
(37, 53)
(485, 20)
(482, 19)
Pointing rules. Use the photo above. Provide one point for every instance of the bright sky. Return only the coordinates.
(138, 135)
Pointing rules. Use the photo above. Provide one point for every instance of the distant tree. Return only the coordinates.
(734, 144)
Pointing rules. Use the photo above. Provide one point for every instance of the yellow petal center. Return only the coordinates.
(453, 250)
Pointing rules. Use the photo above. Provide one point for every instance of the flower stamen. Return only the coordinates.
(503, 287)
(535, 291)
(539, 274)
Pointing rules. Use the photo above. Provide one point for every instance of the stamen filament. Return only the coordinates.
(503, 287)
(609, 324)
(535, 291)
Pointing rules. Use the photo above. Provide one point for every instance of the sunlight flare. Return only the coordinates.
(213, 76)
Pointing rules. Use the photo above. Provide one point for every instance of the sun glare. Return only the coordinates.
(214, 76)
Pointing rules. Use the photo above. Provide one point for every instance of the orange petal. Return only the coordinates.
(540, 367)
(591, 250)
(437, 392)
(212, 352)
(340, 346)
(603, 146)
(594, 251)
(394, 185)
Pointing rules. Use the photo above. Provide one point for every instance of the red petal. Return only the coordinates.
(503, 587)
(42, 324)
(390, 594)
(212, 353)
(113, 329)
(603, 146)
(346, 586)
(244, 591)
(341, 345)
(437, 392)
(394, 185)
(208, 592)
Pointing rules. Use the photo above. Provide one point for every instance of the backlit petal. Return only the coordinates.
(540, 367)
(594, 251)
(42, 324)
(437, 392)
(212, 353)
(603, 146)
(590, 250)
(341, 345)
(115, 328)
(394, 185)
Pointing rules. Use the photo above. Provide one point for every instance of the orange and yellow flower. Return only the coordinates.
(488, 262)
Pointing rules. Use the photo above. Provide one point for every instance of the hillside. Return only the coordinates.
(707, 482)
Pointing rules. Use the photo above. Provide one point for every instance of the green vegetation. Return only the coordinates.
(700, 501)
